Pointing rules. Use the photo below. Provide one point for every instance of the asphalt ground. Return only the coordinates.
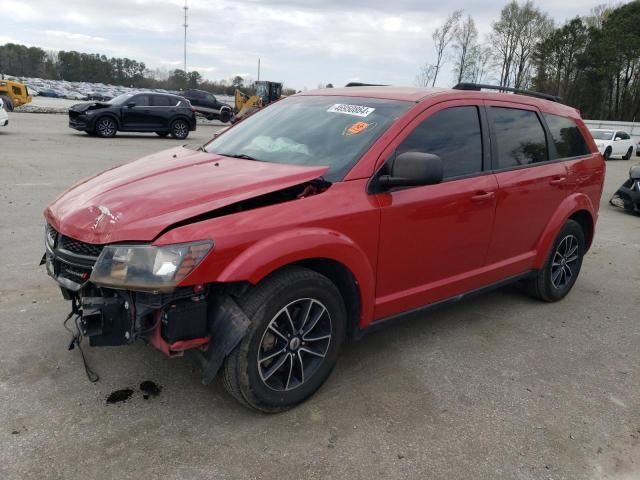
(496, 387)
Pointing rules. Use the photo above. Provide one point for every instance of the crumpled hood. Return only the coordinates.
(83, 107)
(135, 202)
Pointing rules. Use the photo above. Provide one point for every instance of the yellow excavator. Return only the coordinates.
(266, 93)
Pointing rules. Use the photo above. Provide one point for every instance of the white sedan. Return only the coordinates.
(4, 116)
(613, 143)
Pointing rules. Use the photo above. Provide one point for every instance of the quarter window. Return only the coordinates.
(566, 136)
(454, 135)
(140, 100)
(520, 137)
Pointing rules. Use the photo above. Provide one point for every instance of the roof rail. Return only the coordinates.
(359, 84)
(480, 86)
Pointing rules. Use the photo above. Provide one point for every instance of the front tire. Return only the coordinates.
(179, 129)
(607, 153)
(298, 324)
(561, 270)
(105, 127)
(629, 153)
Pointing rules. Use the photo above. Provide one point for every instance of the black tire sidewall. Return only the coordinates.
(570, 228)
(607, 153)
(323, 291)
(225, 116)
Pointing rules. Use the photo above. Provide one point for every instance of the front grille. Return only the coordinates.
(79, 248)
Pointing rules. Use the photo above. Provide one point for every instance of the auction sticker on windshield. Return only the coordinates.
(357, 110)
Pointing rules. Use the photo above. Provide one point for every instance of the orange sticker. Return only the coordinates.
(357, 128)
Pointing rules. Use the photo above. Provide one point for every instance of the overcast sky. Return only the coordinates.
(300, 42)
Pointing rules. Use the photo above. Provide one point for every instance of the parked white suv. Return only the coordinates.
(4, 116)
(613, 143)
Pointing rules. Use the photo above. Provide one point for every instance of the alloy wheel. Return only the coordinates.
(294, 344)
(106, 127)
(180, 129)
(564, 263)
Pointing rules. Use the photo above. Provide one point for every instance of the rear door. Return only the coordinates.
(163, 107)
(531, 185)
(434, 239)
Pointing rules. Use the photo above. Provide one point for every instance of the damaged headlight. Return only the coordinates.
(147, 267)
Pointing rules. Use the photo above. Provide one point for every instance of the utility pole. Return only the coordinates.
(185, 25)
(258, 68)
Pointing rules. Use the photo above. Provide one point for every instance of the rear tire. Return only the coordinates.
(629, 153)
(106, 127)
(179, 129)
(8, 104)
(561, 270)
(298, 324)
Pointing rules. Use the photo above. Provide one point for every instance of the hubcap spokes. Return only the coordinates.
(564, 263)
(180, 129)
(294, 344)
(106, 127)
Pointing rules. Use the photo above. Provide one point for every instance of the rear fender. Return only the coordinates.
(571, 205)
(277, 251)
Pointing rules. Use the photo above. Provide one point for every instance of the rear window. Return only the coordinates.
(520, 137)
(162, 101)
(566, 136)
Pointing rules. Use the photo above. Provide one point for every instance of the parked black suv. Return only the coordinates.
(209, 106)
(135, 112)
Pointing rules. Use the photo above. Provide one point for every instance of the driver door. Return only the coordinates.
(434, 239)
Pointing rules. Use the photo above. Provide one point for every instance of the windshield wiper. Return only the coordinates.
(239, 155)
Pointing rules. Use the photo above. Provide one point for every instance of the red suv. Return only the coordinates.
(325, 215)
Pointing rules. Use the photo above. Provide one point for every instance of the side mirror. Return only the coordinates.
(131, 104)
(411, 169)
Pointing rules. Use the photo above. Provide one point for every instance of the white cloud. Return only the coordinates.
(300, 42)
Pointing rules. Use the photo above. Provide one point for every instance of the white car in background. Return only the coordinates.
(613, 143)
(4, 116)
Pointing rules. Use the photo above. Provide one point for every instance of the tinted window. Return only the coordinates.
(566, 136)
(454, 135)
(624, 135)
(162, 101)
(520, 137)
(141, 100)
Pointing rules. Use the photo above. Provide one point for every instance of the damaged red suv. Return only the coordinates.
(321, 217)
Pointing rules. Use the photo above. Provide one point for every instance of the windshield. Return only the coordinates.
(311, 130)
(120, 99)
(602, 134)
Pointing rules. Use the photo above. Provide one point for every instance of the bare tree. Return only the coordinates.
(442, 37)
(465, 38)
(425, 75)
(514, 38)
(479, 64)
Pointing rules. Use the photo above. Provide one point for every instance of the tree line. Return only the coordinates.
(591, 61)
(23, 61)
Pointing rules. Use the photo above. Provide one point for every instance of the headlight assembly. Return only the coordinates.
(147, 267)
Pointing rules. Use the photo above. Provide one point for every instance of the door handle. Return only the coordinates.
(482, 196)
(557, 180)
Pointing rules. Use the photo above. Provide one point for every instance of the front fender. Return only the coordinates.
(277, 251)
(571, 205)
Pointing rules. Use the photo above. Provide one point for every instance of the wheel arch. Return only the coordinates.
(106, 114)
(576, 207)
(326, 252)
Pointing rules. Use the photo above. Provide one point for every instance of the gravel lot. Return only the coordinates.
(498, 387)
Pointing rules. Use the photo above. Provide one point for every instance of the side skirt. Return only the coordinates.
(392, 320)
